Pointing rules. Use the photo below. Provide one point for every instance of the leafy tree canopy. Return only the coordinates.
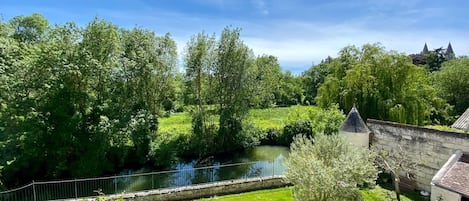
(383, 84)
(452, 83)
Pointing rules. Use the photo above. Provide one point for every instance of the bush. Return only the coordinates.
(163, 150)
(251, 136)
(300, 127)
(271, 136)
(330, 169)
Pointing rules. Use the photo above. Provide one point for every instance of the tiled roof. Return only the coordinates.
(454, 175)
(463, 121)
(354, 123)
(457, 178)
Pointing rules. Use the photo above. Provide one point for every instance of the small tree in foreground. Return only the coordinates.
(397, 163)
(330, 169)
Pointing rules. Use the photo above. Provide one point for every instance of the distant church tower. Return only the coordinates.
(355, 130)
(425, 49)
(449, 52)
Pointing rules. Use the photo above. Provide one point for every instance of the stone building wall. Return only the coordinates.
(429, 148)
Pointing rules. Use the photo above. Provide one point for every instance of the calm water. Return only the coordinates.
(256, 162)
(259, 161)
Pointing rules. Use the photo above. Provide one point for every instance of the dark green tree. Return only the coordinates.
(313, 78)
(232, 67)
(452, 83)
(266, 75)
(29, 29)
(199, 61)
(290, 91)
(434, 59)
(383, 85)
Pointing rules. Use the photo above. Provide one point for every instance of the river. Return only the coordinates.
(255, 162)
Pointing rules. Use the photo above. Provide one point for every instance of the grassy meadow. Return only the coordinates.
(260, 118)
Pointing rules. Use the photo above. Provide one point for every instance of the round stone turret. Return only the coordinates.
(355, 130)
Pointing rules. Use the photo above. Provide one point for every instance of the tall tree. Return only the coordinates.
(67, 106)
(199, 63)
(434, 59)
(29, 29)
(452, 83)
(166, 71)
(384, 85)
(266, 76)
(232, 67)
(314, 77)
(290, 90)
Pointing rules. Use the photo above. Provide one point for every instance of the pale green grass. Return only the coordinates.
(270, 117)
(278, 194)
(285, 194)
(176, 123)
(381, 194)
(260, 118)
(444, 128)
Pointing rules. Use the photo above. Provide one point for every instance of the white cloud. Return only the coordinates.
(300, 42)
(316, 42)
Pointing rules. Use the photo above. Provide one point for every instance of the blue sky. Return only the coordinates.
(298, 32)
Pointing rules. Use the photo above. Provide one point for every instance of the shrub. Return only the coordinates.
(330, 169)
(300, 127)
(271, 136)
(251, 136)
(163, 150)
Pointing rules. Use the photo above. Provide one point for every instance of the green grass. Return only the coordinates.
(178, 122)
(271, 117)
(285, 194)
(444, 128)
(260, 118)
(278, 194)
(381, 194)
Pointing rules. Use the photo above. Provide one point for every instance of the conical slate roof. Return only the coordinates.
(449, 51)
(354, 123)
(425, 49)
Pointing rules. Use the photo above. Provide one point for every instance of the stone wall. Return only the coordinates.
(429, 148)
(206, 190)
(443, 194)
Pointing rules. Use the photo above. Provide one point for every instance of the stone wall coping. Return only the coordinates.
(167, 191)
(453, 159)
(418, 128)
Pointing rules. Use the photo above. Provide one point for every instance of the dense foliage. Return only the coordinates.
(79, 102)
(452, 83)
(383, 85)
(87, 101)
(330, 169)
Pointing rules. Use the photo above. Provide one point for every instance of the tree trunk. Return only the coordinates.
(396, 187)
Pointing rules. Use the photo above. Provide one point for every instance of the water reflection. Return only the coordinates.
(260, 161)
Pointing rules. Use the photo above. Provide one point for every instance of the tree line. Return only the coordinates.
(85, 101)
(392, 86)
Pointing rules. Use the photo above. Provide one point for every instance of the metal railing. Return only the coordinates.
(89, 187)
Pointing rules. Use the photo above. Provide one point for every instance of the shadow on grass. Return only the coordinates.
(412, 195)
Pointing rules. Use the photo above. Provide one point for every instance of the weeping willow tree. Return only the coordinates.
(383, 84)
